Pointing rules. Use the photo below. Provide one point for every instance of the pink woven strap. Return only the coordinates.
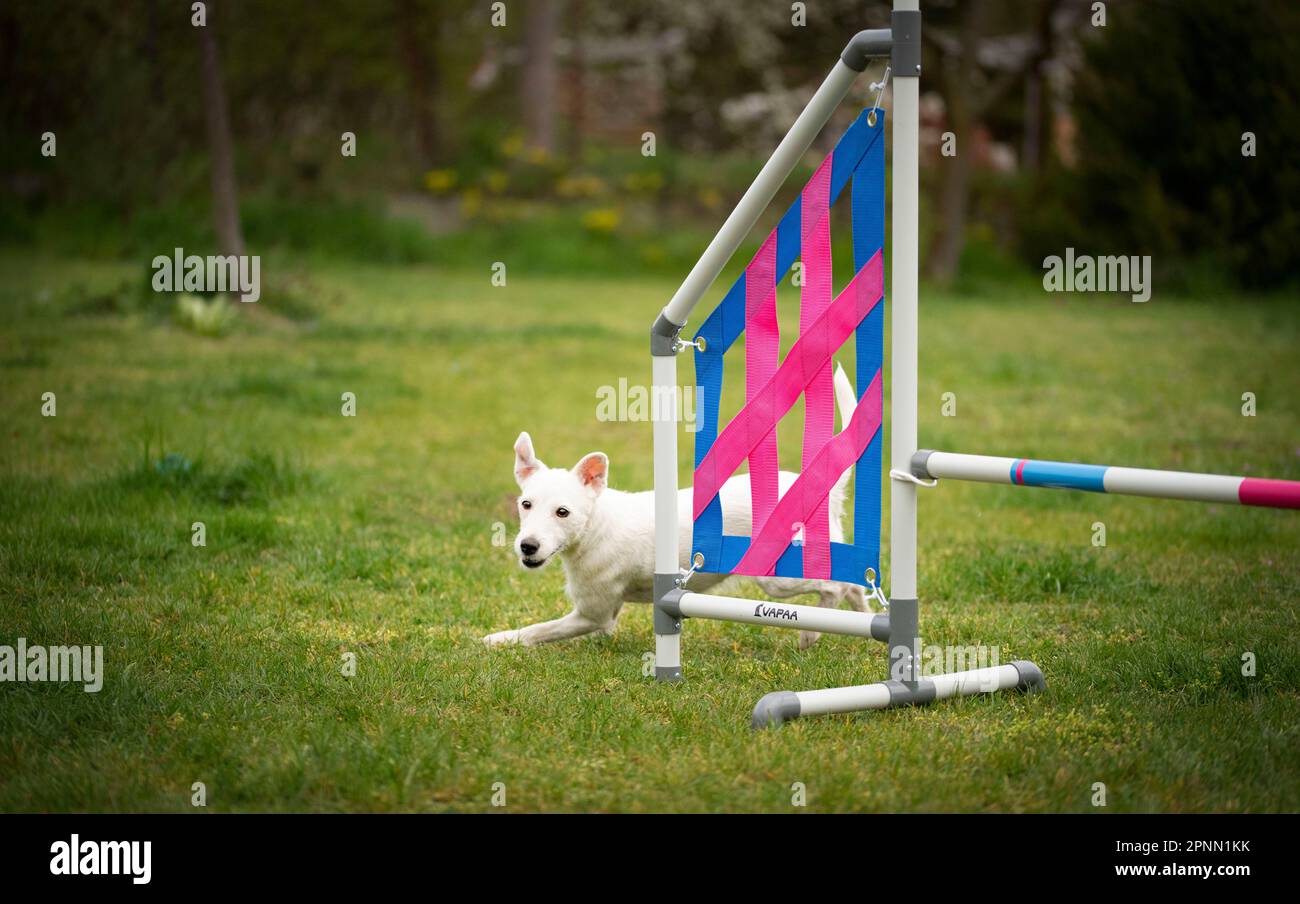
(819, 395)
(813, 485)
(762, 348)
(813, 348)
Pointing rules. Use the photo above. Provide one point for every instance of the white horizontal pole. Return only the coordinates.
(1157, 484)
(979, 468)
(843, 699)
(975, 681)
(776, 615)
(876, 696)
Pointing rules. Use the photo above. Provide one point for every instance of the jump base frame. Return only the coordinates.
(804, 232)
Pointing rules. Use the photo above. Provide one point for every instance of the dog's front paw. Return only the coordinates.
(501, 639)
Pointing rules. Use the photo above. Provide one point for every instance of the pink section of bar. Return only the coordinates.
(762, 348)
(812, 349)
(813, 485)
(819, 395)
(1271, 493)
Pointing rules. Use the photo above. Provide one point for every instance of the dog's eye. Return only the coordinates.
(525, 504)
(561, 512)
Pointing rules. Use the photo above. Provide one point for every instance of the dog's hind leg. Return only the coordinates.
(857, 597)
(825, 599)
(832, 594)
(828, 594)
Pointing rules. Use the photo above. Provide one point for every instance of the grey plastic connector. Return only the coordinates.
(880, 627)
(914, 694)
(903, 638)
(873, 43)
(1031, 676)
(663, 337)
(905, 59)
(920, 462)
(667, 619)
(665, 585)
(668, 615)
(666, 622)
(667, 597)
(775, 708)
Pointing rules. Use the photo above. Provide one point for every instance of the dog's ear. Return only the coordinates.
(593, 471)
(526, 462)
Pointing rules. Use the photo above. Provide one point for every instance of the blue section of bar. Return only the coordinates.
(1059, 475)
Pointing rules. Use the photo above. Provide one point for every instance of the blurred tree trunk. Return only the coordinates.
(956, 76)
(968, 102)
(578, 80)
(419, 59)
(225, 194)
(538, 74)
(1031, 153)
(1038, 108)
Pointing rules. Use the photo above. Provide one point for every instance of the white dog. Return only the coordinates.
(605, 538)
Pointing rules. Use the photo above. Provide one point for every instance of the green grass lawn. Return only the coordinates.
(377, 535)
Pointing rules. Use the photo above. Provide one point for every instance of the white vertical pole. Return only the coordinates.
(903, 347)
(663, 393)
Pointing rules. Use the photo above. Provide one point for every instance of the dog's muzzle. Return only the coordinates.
(528, 549)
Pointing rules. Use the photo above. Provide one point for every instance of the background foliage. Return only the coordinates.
(1157, 98)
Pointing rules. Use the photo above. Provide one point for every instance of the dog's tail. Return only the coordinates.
(847, 403)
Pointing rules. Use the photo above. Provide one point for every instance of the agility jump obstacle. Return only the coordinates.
(772, 386)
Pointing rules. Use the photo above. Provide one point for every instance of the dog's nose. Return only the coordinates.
(528, 547)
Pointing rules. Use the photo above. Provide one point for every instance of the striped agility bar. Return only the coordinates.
(1061, 475)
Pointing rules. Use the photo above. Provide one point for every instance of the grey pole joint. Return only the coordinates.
(774, 709)
(1031, 676)
(667, 620)
(663, 337)
(905, 59)
(911, 693)
(668, 595)
(920, 464)
(871, 44)
(904, 640)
